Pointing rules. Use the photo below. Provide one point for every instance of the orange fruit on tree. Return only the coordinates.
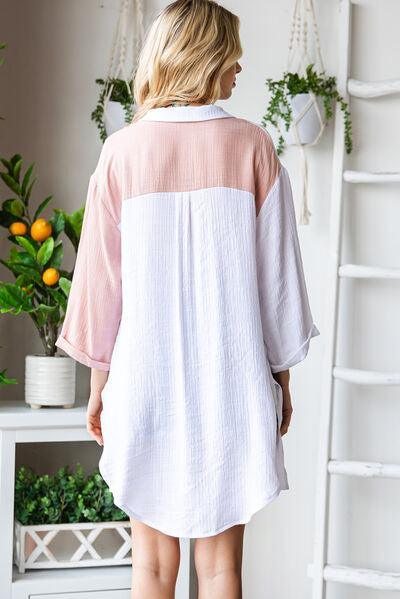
(41, 229)
(28, 291)
(50, 276)
(18, 228)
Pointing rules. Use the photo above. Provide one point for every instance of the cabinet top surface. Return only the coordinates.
(16, 414)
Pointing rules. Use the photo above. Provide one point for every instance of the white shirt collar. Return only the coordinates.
(186, 113)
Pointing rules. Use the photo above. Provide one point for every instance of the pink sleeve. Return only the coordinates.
(94, 305)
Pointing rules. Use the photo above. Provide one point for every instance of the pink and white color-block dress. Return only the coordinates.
(189, 288)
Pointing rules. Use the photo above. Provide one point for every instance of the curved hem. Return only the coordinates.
(197, 535)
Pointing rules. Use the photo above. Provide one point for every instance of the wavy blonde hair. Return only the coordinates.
(187, 49)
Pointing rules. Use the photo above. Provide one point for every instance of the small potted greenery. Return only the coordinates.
(115, 105)
(305, 102)
(71, 510)
(5, 380)
(41, 286)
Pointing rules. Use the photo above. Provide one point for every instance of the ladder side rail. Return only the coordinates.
(323, 480)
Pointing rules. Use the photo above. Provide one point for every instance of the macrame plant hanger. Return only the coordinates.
(298, 60)
(129, 32)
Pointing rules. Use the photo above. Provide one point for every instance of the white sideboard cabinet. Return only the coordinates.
(20, 424)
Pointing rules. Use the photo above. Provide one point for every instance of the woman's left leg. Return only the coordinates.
(218, 563)
(155, 562)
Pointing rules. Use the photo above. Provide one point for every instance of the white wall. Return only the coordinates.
(55, 50)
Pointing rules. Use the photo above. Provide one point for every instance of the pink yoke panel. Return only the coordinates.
(148, 157)
(170, 156)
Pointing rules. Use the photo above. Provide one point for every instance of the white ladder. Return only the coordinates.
(320, 570)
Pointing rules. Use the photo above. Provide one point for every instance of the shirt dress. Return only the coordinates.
(189, 289)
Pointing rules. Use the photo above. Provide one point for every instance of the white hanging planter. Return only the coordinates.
(308, 120)
(75, 545)
(125, 49)
(114, 117)
(50, 381)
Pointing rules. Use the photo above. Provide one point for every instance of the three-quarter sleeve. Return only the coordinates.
(286, 317)
(94, 304)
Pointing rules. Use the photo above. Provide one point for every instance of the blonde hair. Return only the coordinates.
(187, 49)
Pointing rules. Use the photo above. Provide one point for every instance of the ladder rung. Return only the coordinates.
(373, 89)
(365, 177)
(358, 271)
(363, 577)
(366, 377)
(364, 469)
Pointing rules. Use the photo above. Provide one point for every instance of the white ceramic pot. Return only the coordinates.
(50, 381)
(309, 125)
(114, 117)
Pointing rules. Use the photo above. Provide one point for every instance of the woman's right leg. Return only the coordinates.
(155, 562)
(218, 563)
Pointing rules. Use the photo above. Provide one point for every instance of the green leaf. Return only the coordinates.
(42, 206)
(4, 380)
(69, 228)
(27, 194)
(25, 243)
(13, 299)
(9, 181)
(45, 251)
(65, 285)
(58, 297)
(6, 218)
(76, 220)
(22, 257)
(57, 222)
(26, 178)
(23, 269)
(6, 163)
(58, 253)
(14, 206)
(17, 169)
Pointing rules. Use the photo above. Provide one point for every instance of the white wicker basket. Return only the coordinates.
(72, 545)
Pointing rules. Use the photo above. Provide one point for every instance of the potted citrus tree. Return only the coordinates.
(41, 284)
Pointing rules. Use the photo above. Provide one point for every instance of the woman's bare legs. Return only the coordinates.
(155, 562)
(218, 562)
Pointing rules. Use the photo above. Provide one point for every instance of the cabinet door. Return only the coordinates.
(117, 594)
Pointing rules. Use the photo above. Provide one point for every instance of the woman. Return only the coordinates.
(188, 302)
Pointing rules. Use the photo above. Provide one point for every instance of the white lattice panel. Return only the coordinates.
(72, 545)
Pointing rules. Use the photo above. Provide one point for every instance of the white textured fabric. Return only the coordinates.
(213, 300)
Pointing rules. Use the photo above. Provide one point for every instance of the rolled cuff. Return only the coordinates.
(79, 355)
(299, 354)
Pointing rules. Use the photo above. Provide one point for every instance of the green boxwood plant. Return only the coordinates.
(120, 93)
(292, 84)
(66, 497)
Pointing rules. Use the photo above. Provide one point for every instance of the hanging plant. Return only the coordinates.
(119, 92)
(280, 111)
(302, 100)
(115, 105)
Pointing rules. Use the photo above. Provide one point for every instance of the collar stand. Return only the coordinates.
(188, 112)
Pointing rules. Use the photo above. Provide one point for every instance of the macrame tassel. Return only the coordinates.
(298, 60)
(305, 213)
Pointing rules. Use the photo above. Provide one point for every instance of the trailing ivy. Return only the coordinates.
(292, 84)
(120, 93)
(66, 497)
